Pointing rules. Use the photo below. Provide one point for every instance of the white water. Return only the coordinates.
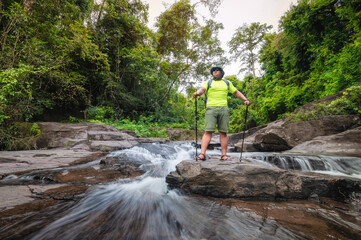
(143, 208)
(331, 165)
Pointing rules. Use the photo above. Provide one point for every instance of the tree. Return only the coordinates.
(245, 42)
(187, 48)
(120, 31)
(49, 59)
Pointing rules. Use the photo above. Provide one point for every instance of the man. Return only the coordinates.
(217, 112)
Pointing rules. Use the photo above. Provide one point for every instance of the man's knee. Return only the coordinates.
(222, 133)
(208, 133)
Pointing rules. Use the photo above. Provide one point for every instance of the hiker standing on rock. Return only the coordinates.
(217, 112)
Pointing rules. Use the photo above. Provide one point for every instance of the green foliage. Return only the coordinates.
(142, 127)
(174, 28)
(237, 119)
(348, 104)
(101, 113)
(35, 130)
(19, 136)
(187, 48)
(245, 42)
(352, 100)
(316, 54)
(17, 94)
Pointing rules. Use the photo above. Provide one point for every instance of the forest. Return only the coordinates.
(87, 60)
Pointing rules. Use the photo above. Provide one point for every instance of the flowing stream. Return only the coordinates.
(143, 208)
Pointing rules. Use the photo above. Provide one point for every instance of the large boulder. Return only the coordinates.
(345, 143)
(234, 138)
(281, 136)
(84, 136)
(251, 181)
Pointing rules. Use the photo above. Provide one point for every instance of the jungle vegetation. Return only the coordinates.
(86, 60)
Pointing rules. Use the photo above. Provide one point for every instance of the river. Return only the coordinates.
(144, 208)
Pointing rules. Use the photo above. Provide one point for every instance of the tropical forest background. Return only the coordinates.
(87, 60)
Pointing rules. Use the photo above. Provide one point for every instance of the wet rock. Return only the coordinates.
(83, 174)
(96, 174)
(109, 146)
(41, 196)
(20, 221)
(24, 161)
(11, 196)
(251, 181)
(325, 219)
(61, 192)
(120, 160)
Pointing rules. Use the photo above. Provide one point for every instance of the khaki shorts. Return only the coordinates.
(216, 116)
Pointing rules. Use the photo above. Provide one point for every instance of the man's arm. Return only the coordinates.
(199, 92)
(239, 95)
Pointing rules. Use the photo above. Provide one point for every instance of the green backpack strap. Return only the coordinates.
(208, 86)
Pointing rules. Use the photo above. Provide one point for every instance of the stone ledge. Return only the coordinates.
(250, 181)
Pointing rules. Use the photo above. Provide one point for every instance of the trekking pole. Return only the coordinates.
(196, 113)
(244, 129)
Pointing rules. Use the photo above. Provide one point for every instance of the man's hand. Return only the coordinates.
(199, 92)
(247, 102)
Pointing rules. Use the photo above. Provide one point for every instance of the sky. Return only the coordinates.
(233, 14)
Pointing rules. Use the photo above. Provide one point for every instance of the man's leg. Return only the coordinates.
(206, 139)
(224, 142)
(210, 121)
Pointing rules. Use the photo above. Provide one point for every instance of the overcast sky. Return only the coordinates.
(233, 14)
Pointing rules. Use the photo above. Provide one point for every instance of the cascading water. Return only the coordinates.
(143, 208)
(332, 165)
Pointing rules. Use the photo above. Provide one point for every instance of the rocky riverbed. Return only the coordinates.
(40, 187)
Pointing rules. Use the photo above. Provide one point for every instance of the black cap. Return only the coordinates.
(217, 68)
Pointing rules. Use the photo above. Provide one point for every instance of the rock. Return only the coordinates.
(84, 136)
(21, 161)
(14, 195)
(234, 138)
(61, 135)
(280, 136)
(256, 182)
(271, 142)
(153, 140)
(247, 145)
(175, 134)
(33, 204)
(24, 191)
(109, 146)
(347, 143)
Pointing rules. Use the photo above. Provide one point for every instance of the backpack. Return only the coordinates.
(208, 86)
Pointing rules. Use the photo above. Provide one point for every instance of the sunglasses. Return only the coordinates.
(216, 69)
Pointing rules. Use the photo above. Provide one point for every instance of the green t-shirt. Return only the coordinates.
(218, 92)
